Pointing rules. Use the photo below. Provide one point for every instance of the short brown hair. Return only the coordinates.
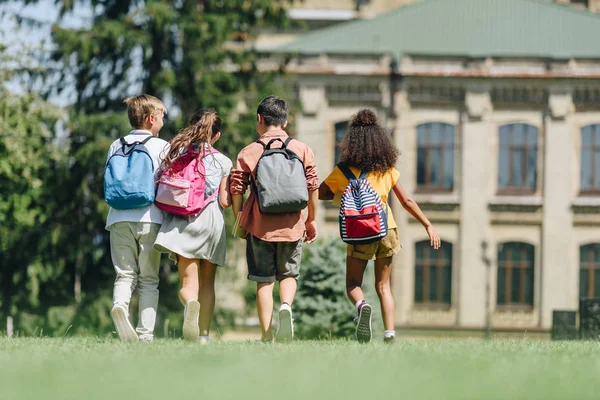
(140, 107)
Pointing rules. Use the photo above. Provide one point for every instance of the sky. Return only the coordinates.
(30, 38)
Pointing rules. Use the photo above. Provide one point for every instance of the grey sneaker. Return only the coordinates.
(122, 324)
(191, 313)
(363, 326)
(285, 333)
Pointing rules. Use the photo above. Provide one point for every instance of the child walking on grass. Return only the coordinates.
(284, 182)
(197, 242)
(368, 159)
(133, 220)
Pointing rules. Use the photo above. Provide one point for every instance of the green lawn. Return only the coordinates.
(87, 369)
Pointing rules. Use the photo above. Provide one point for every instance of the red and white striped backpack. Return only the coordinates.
(363, 217)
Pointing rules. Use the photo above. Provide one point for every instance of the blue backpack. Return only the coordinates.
(129, 177)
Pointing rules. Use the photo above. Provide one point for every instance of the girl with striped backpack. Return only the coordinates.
(360, 184)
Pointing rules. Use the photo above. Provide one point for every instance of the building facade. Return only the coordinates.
(498, 122)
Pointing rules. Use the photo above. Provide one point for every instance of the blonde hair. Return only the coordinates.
(142, 106)
(203, 126)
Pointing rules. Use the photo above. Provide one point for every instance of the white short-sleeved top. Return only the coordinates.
(217, 166)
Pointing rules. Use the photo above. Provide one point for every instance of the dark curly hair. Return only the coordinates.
(367, 145)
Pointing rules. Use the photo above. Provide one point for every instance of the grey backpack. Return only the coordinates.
(280, 179)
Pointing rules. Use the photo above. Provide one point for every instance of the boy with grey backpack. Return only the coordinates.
(282, 177)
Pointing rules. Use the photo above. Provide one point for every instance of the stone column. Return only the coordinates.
(311, 128)
(558, 276)
(594, 5)
(403, 268)
(474, 220)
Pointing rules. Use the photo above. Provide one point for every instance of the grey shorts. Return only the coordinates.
(271, 261)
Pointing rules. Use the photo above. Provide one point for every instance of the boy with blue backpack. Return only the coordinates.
(360, 184)
(133, 220)
(282, 175)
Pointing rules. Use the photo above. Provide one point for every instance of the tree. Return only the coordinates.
(191, 54)
(31, 163)
(322, 309)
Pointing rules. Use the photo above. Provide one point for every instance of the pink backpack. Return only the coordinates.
(181, 190)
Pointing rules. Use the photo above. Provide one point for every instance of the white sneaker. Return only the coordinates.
(191, 313)
(122, 324)
(147, 338)
(285, 333)
(204, 340)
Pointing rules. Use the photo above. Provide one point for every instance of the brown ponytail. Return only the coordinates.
(203, 126)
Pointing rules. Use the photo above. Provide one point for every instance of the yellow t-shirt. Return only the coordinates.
(382, 183)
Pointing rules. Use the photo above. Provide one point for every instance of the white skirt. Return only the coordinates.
(202, 236)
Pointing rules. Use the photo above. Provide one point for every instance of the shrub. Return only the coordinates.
(321, 308)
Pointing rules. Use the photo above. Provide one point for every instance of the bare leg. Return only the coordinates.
(188, 278)
(383, 269)
(287, 290)
(188, 294)
(264, 306)
(206, 284)
(355, 268)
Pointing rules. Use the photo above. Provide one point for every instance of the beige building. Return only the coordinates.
(495, 106)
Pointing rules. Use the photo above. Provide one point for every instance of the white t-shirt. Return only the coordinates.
(217, 166)
(157, 149)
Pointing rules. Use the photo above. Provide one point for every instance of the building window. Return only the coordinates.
(517, 170)
(589, 270)
(590, 159)
(353, 92)
(340, 132)
(435, 157)
(515, 274)
(433, 274)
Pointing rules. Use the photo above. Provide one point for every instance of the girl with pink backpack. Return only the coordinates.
(193, 190)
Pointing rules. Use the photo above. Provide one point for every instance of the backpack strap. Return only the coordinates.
(273, 141)
(212, 196)
(146, 140)
(207, 151)
(268, 145)
(347, 172)
(124, 142)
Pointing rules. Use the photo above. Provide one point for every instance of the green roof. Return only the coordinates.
(472, 28)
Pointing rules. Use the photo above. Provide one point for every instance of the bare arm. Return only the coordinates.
(224, 195)
(311, 223)
(324, 192)
(413, 208)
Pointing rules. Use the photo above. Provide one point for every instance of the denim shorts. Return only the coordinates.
(271, 261)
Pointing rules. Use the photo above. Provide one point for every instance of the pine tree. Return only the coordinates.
(191, 54)
(321, 308)
(31, 167)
